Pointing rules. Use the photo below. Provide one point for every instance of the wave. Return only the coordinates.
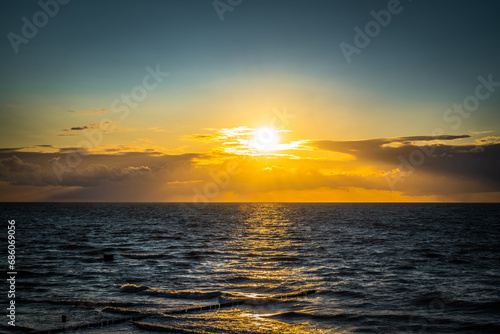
(295, 294)
(30, 274)
(222, 302)
(183, 294)
(73, 246)
(428, 298)
(254, 296)
(289, 315)
(482, 328)
(284, 258)
(244, 279)
(405, 267)
(350, 293)
(143, 256)
(492, 306)
(458, 261)
(101, 323)
(80, 302)
(348, 317)
(431, 255)
(481, 306)
(199, 254)
(131, 288)
(120, 310)
(165, 328)
(180, 294)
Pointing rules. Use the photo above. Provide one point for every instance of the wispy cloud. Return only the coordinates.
(240, 141)
(479, 132)
(103, 127)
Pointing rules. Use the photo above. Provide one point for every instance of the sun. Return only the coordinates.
(265, 139)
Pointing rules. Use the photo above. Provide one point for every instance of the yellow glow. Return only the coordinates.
(265, 139)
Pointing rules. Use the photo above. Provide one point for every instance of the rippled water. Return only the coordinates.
(373, 268)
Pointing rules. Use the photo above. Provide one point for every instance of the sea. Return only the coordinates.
(253, 268)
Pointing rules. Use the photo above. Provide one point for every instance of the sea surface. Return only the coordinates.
(255, 268)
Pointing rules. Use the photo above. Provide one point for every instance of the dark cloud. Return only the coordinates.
(103, 126)
(350, 146)
(204, 138)
(96, 175)
(10, 150)
(466, 161)
(70, 169)
(16, 172)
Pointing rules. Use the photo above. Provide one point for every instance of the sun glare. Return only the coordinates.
(265, 139)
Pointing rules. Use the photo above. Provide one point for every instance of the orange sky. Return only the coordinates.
(246, 165)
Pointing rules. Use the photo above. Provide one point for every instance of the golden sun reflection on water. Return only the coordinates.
(240, 321)
(267, 247)
(265, 264)
(264, 241)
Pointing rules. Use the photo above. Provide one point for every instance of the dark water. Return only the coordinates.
(376, 268)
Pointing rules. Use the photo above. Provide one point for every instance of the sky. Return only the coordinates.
(250, 100)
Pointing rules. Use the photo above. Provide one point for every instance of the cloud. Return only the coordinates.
(101, 149)
(58, 169)
(479, 132)
(104, 127)
(363, 146)
(242, 141)
(488, 140)
(95, 175)
(156, 129)
(14, 171)
(477, 161)
(203, 138)
(143, 173)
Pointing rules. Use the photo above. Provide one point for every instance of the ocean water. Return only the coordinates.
(255, 268)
